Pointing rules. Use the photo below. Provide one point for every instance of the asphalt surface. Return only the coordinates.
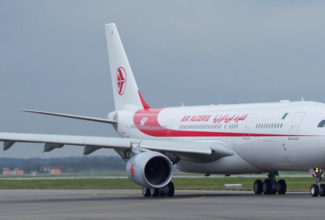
(128, 204)
(125, 177)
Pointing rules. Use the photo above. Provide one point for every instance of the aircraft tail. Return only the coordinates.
(125, 88)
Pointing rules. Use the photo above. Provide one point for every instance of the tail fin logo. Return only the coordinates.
(121, 80)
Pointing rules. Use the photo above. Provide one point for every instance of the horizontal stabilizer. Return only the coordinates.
(103, 120)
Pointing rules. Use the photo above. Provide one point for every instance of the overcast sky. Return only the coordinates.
(53, 57)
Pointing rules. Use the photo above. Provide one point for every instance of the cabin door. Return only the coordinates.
(294, 126)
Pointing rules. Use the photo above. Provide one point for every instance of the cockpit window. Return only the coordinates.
(321, 124)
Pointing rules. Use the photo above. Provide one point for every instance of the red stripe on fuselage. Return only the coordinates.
(146, 120)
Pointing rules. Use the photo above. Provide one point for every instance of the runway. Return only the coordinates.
(128, 204)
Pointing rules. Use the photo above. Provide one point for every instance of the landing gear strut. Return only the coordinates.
(317, 189)
(270, 185)
(167, 191)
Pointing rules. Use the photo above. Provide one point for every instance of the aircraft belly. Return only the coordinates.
(261, 154)
(266, 154)
(226, 165)
(306, 152)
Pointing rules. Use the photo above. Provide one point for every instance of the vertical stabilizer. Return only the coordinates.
(125, 88)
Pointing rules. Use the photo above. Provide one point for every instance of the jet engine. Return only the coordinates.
(150, 169)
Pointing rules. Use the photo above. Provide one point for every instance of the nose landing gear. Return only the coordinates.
(317, 189)
(270, 185)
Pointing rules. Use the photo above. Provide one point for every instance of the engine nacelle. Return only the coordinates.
(150, 169)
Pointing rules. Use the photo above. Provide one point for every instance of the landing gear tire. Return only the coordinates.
(154, 192)
(163, 192)
(171, 189)
(270, 186)
(267, 187)
(314, 191)
(281, 187)
(258, 187)
(322, 190)
(146, 192)
(168, 190)
(273, 187)
(317, 189)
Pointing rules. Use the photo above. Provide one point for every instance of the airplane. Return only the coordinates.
(214, 139)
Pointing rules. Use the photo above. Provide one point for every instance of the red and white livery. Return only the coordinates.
(214, 139)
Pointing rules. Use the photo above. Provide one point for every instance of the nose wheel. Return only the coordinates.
(317, 189)
(270, 186)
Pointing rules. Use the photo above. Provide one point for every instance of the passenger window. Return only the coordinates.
(321, 124)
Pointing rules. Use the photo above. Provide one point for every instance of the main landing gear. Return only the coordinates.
(167, 191)
(317, 189)
(270, 185)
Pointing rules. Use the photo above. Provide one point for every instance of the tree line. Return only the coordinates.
(67, 164)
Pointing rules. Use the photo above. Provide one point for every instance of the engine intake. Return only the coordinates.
(150, 169)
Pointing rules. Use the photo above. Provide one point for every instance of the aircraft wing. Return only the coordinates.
(92, 143)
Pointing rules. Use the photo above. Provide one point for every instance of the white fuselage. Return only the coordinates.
(263, 137)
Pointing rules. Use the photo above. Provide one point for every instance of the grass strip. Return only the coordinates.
(294, 184)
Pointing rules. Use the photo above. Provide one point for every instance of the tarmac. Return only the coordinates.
(129, 204)
(59, 177)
